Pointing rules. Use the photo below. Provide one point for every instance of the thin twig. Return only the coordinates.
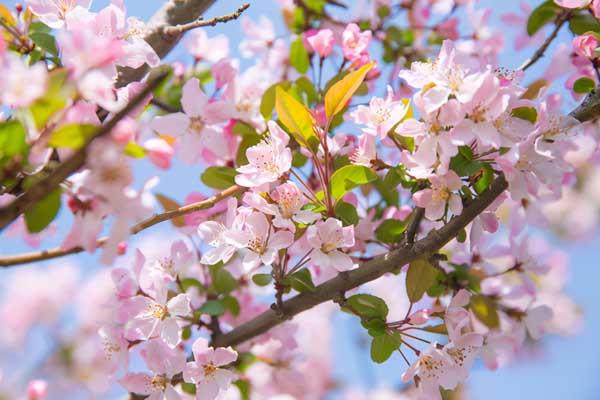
(164, 106)
(413, 227)
(179, 29)
(41, 189)
(157, 218)
(560, 21)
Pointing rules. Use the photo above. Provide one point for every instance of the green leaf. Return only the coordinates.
(262, 279)
(55, 99)
(232, 305)
(484, 182)
(526, 113)
(244, 388)
(368, 306)
(242, 129)
(71, 136)
(219, 177)
(383, 346)
(188, 388)
(222, 281)
(346, 212)
(440, 329)
(485, 310)
(212, 307)
(421, 276)
(582, 22)
(374, 326)
(301, 281)
(340, 92)
(186, 333)
(12, 141)
(45, 41)
(540, 16)
(584, 85)
(306, 87)
(347, 178)
(390, 230)
(132, 149)
(191, 282)
(463, 166)
(296, 118)
(267, 102)
(43, 212)
(299, 56)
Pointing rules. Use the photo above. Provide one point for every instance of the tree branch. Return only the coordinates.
(366, 272)
(39, 190)
(145, 224)
(560, 21)
(182, 28)
(173, 12)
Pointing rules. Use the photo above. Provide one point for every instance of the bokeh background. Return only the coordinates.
(556, 369)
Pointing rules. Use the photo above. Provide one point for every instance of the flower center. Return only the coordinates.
(440, 194)
(257, 245)
(209, 369)
(430, 367)
(159, 382)
(196, 124)
(382, 114)
(159, 312)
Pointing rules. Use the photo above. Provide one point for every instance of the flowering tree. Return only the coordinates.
(374, 161)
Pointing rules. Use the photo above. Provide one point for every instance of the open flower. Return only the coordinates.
(164, 362)
(267, 161)
(157, 316)
(54, 12)
(381, 115)
(326, 238)
(261, 241)
(204, 371)
(435, 199)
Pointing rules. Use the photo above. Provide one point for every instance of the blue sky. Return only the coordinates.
(567, 368)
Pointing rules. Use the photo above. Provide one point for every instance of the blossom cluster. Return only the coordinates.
(304, 184)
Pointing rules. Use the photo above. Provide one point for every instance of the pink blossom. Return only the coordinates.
(268, 160)
(596, 8)
(287, 209)
(37, 389)
(435, 199)
(54, 12)
(159, 152)
(366, 152)
(326, 238)
(193, 126)
(535, 320)
(204, 371)
(215, 234)
(261, 241)
(434, 368)
(572, 3)
(116, 347)
(354, 42)
(322, 42)
(204, 48)
(164, 363)
(513, 19)
(381, 115)
(21, 84)
(155, 316)
(585, 46)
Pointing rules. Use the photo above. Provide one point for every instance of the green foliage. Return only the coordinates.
(384, 345)
(42, 213)
(301, 281)
(484, 309)
(71, 136)
(390, 231)
(13, 145)
(346, 212)
(347, 178)
(299, 56)
(212, 307)
(368, 306)
(219, 177)
(421, 276)
(541, 15)
(584, 85)
(262, 279)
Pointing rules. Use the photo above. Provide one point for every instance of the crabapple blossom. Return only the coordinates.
(435, 199)
(37, 390)
(54, 12)
(204, 371)
(267, 161)
(326, 238)
(156, 316)
(164, 362)
(381, 115)
(322, 42)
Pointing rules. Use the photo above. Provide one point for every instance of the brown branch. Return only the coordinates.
(560, 21)
(366, 272)
(39, 190)
(145, 224)
(182, 28)
(413, 227)
(173, 12)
